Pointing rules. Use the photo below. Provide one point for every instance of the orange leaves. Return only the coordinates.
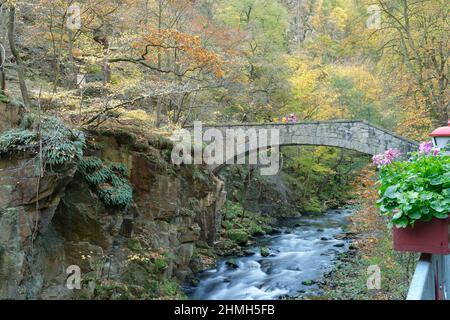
(185, 52)
(77, 53)
(367, 220)
(172, 38)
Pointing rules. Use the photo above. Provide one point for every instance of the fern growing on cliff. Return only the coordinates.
(4, 98)
(60, 144)
(109, 181)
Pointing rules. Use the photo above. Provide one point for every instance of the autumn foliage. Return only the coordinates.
(188, 53)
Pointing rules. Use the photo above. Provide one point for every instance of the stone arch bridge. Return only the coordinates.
(354, 135)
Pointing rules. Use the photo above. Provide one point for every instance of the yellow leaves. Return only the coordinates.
(139, 115)
(312, 97)
(325, 154)
(363, 79)
(136, 44)
(304, 79)
(339, 17)
(55, 36)
(333, 91)
(322, 169)
(416, 123)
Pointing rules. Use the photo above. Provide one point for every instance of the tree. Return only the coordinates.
(416, 33)
(17, 58)
(261, 52)
(3, 31)
(185, 54)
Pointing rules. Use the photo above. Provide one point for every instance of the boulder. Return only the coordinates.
(232, 263)
(264, 252)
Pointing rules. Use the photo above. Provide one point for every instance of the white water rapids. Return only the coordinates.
(300, 255)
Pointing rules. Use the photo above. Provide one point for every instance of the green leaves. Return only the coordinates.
(401, 222)
(15, 140)
(107, 180)
(391, 192)
(60, 144)
(414, 190)
(397, 215)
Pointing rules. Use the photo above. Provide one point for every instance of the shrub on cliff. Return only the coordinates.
(4, 98)
(59, 144)
(239, 236)
(109, 181)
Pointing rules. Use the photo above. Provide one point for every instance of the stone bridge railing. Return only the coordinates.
(349, 134)
(355, 135)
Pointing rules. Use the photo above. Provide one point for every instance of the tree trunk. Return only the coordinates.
(443, 114)
(73, 72)
(2, 73)
(106, 67)
(18, 59)
(2, 50)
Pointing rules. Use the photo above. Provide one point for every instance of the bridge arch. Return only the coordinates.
(354, 135)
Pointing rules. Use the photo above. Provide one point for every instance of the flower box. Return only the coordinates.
(426, 237)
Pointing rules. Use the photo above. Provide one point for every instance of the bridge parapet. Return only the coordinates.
(354, 135)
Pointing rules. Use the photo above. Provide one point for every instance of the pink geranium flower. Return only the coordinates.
(386, 158)
(391, 154)
(436, 151)
(426, 147)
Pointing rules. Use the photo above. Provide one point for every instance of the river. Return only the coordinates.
(300, 256)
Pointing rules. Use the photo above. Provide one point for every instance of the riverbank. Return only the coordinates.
(373, 243)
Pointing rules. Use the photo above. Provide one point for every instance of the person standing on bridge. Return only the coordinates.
(292, 118)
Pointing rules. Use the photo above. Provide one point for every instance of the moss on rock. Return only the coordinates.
(313, 206)
(240, 236)
(264, 251)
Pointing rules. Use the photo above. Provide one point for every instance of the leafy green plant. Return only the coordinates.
(240, 236)
(4, 98)
(170, 288)
(109, 181)
(415, 190)
(134, 245)
(255, 229)
(199, 175)
(160, 265)
(232, 210)
(60, 144)
(239, 226)
(161, 142)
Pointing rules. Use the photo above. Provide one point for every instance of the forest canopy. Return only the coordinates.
(167, 63)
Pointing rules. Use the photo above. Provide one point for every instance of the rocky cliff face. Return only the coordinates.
(52, 222)
(21, 217)
(10, 116)
(268, 195)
